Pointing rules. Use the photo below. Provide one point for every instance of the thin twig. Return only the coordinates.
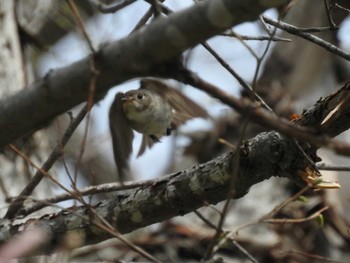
(143, 20)
(55, 154)
(106, 226)
(235, 166)
(223, 240)
(342, 8)
(276, 210)
(261, 58)
(309, 160)
(316, 29)
(81, 26)
(256, 38)
(243, 250)
(90, 190)
(326, 167)
(279, 207)
(236, 76)
(312, 256)
(90, 101)
(251, 50)
(92, 88)
(112, 8)
(147, 16)
(316, 40)
(265, 118)
(295, 220)
(160, 6)
(156, 8)
(31, 163)
(206, 221)
(329, 15)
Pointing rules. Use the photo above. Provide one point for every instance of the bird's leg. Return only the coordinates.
(154, 138)
(168, 131)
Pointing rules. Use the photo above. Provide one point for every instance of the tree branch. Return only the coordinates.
(307, 130)
(314, 39)
(143, 53)
(172, 195)
(266, 155)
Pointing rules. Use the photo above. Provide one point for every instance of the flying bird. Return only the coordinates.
(154, 110)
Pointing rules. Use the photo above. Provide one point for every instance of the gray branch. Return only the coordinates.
(172, 195)
(314, 39)
(143, 53)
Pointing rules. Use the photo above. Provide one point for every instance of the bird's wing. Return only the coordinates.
(122, 135)
(184, 107)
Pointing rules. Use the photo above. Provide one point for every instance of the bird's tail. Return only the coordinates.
(147, 142)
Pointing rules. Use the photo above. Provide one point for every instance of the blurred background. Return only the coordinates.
(289, 73)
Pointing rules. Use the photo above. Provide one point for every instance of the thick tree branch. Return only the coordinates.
(173, 195)
(143, 53)
(266, 155)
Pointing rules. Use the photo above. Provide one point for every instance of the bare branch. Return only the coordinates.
(53, 157)
(112, 8)
(172, 195)
(316, 40)
(316, 136)
(257, 38)
(325, 167)
(90, 190)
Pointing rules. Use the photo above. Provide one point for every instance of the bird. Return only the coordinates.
(154, 110)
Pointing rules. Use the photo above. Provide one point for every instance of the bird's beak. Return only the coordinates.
(127, 102)
(126, 98)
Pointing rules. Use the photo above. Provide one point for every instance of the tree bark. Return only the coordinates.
(268, 154)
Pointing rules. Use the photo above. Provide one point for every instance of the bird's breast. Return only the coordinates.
(152, 120)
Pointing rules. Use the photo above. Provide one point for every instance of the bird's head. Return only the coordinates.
(136, 101)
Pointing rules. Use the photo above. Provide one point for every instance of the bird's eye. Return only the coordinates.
(140, 96)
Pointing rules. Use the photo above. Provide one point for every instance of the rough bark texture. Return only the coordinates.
(176, 194)
(266, 155)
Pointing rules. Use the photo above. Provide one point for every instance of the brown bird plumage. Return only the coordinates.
(153, 110)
